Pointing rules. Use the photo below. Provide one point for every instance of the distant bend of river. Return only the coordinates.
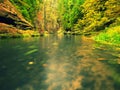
(58, 63)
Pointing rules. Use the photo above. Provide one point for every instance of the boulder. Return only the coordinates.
(9, 15)
(8, 29)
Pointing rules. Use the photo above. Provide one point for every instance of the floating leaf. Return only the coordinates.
(44, 65)
(31, 62)
(31, 51)
(101, 58)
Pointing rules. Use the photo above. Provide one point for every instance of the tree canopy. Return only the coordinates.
(99, 14)
(78, 16)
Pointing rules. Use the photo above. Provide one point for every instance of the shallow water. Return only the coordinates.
(58, 63)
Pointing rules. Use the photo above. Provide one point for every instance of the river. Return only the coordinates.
(58, 63)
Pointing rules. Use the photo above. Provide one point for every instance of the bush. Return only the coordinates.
(99, 14)
(111, 36)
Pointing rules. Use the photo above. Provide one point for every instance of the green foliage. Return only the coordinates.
(111, 36)
(1, 1)
(99, 14)
(70, 12)
(78, 16)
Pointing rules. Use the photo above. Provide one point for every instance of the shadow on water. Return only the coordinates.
(58, 63)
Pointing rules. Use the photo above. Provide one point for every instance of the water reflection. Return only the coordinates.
(59, 63)
(77, 70)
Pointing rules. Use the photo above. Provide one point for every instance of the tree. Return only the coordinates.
(50, 15)
(99, 14)
(70, 12)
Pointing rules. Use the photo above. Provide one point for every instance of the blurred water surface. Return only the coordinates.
(58, 63)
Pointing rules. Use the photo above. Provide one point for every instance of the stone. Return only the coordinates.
(9, 15)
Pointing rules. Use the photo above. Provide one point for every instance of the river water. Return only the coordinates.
(58, 63)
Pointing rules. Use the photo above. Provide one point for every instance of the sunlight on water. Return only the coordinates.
(58, 63)
(86, 73)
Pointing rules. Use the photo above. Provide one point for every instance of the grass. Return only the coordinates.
(109, 36)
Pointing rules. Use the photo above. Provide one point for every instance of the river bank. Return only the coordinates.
(109, 36)
(20, 34)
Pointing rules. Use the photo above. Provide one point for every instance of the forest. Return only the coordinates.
(59, 44)
(96, 18)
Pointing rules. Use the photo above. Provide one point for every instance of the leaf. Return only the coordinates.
(31, 51)
(31, 62)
